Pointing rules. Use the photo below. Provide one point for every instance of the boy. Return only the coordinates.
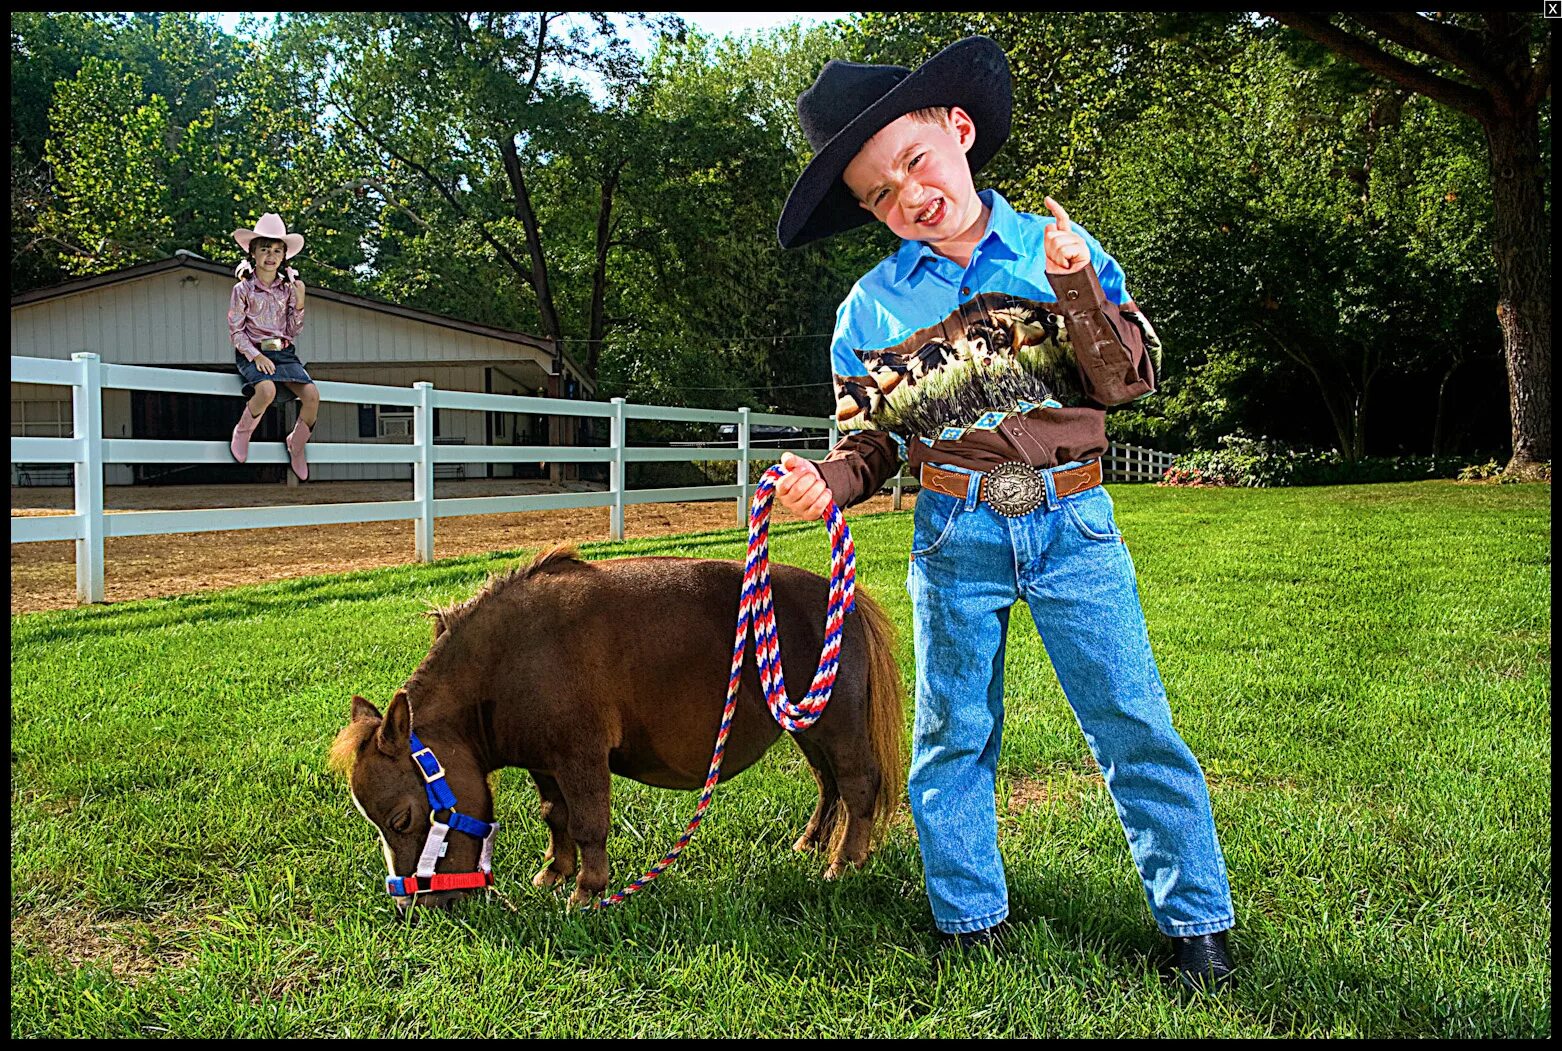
(987, 347)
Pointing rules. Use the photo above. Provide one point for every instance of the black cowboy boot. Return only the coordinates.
(1203, 962)
(991, 938)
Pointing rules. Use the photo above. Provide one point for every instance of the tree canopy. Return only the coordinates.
(1313, 239)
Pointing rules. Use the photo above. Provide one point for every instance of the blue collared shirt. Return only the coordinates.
(916, 287)
(924, 346)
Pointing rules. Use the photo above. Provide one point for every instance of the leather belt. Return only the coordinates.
(1013, 489)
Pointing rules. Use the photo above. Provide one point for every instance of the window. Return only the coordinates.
(41, 419)
(389, 421)
(394, 421)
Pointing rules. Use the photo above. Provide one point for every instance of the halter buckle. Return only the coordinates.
(423, 767)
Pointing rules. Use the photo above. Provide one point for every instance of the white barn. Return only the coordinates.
(174, 312)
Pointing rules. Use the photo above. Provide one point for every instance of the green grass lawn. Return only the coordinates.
(1364, 673)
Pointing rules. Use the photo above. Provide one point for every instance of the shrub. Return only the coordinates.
(1263, 463)
(1480, 472)
(1492, 471)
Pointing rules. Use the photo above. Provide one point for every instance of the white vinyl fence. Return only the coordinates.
(87, 451)
(1134, 463)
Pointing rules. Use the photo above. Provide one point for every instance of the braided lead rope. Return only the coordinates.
(756, 608)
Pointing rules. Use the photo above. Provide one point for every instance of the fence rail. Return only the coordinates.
(1135, 463)
(87, 451)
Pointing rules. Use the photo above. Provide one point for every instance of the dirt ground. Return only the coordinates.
(43, 575)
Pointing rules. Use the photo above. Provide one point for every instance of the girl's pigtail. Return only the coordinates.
(243, 270)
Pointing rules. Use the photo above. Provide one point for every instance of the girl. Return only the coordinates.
(265, 316)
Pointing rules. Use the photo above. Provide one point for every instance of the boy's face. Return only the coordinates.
(914, 178)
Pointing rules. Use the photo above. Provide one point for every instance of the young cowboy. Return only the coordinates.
(987, 347)
(265, 316)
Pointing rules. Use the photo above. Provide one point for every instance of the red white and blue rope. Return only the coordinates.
(756, 609)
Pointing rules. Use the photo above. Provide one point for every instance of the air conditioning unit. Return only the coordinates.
(395, 427)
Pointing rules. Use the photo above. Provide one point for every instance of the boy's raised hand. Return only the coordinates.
(801, 490)
(1066, 251)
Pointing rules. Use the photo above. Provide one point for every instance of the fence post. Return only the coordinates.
(743, 446)
(617, 469)
(87, 426)
(900, 474)
(423, 469)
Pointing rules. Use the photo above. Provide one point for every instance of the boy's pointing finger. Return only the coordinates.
(1058, 213)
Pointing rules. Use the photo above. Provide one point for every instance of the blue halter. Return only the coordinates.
(442, 797)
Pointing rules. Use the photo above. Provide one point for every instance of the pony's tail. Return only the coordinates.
(886, 715)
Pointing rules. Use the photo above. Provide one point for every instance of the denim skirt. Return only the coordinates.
(289, 369)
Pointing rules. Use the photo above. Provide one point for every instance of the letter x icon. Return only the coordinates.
(1553, 8)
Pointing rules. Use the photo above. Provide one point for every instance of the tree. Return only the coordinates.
(113, 206)
(1496, 68)
(712, 311)
(1280, 226)
(162, 132)
(451, 102)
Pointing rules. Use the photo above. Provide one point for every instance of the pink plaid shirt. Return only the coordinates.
(258, 311)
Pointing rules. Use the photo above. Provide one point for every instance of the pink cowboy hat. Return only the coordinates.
(272, 226)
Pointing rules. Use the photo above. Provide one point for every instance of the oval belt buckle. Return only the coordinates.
(1013, 489)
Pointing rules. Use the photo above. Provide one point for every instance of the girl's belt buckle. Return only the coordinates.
(1013, 489)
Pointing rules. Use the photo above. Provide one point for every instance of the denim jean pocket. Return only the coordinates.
(933, 521)
(1091, 513)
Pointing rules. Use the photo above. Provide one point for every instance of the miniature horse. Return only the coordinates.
(577, 670)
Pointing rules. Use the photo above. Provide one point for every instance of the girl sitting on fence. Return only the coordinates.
(265, 316)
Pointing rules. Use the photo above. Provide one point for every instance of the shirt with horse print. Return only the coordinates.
(992, 362)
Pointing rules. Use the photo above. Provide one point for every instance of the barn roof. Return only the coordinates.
(190, 262)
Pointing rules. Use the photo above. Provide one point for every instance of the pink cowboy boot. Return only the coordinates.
(239, 445)
(295, 450)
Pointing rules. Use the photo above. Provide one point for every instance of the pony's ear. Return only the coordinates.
(363, 711)
(394, 737)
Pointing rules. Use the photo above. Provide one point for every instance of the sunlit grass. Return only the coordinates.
(1364, 673)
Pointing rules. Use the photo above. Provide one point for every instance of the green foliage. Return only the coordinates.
(113, 205)
(1492, 471)
(166, 133)
(726, 318)
(1312, 245)
(1264, 463)
(1286, 220)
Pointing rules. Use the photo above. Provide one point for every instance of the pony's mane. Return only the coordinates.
(558, 557)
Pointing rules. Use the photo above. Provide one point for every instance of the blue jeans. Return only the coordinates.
(1067, 561)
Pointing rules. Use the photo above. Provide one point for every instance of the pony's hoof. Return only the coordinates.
(834, 871)
(547, 878)
(805, 843)
(581, 898)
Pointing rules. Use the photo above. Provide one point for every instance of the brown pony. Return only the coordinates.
(577, 670)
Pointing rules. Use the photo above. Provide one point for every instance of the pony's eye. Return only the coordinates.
(402, 822)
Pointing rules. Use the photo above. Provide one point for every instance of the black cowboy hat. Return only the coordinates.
(850, 102)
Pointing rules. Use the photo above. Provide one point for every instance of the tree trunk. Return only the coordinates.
(1439, 435)
(528, 218)
(1521, 246)
(599, 272)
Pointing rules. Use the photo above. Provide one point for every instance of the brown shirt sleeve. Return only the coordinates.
(860, 463)
(1110, 347)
